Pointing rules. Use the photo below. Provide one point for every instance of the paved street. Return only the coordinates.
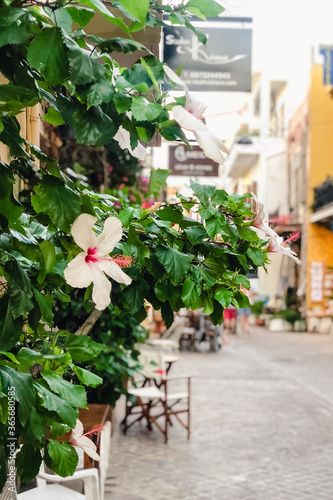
(262, 427)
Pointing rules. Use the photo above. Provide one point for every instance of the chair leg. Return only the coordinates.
(188, 408)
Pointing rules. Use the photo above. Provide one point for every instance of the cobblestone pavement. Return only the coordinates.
(262, 427)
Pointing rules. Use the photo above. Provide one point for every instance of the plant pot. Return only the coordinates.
(95, 415)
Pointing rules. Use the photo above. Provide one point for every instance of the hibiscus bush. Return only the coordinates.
(61, 242)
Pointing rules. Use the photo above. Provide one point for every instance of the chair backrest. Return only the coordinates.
(104, 451)
(176, 329)
(7, 494)
(152, 362)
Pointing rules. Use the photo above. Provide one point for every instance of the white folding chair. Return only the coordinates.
(153, 394)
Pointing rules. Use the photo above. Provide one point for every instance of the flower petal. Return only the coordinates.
(101, 290)
(274, 245)
(110, 235)
(173, 76)
(124, 141)
(87, 446)
(78, 430)
(82, 231)
(194, 105)
(211, 145)
(186, 120)
(139, 152)
(78, 273)
(114, 271)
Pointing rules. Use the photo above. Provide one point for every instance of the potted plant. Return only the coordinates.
(257, 308)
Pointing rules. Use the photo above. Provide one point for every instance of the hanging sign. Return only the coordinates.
(222, 64)
(191, 162)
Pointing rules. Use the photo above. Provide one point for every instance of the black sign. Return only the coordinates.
(191, 162)
(223, 64)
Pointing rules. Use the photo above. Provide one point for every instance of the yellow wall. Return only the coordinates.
(319, 239)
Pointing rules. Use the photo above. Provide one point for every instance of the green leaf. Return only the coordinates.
(157, 180)
(143, 110)
(6, 179)
(24, 392)
(86, 377)
(28, 462)
(80, 15)
(47, 54)
(122, 102)
(52, 165)
(92, 126)
(135, 294)
(1, 126)
(10, 328)
(196, 234)
(209, 307)
(61, 458)
(242, 300)
(19, 289)
(45, 303)
(60, 18)
(133, 239)
(14, 24)
(172, 214)
(28, 357)
(48, 259)
(60, 295)
(202, 192)
(217, 315)
(242, 280)
(76, 394)
(10, 208)
(247, 234)
(119, 44)
(256, 256)
(10, 356)
(219, 197)
(98, 6)
(3, 408)
(177, 18)
(47, 399)
(137, 8)
(37, 427)
(138, 75)
(101, 91)
(215, 225)
(84, 69)
(126, 215)
(190, 292)
(223, 296)
(10, 136)
(53, 117)
(13, 94)
(57, 429)
(58, 201)
(208, 8)
(83, 348)
(175, 263)
(167, 314)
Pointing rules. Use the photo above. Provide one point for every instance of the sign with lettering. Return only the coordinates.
(191, 162)
(223, 64)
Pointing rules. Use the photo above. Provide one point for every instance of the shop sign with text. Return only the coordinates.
(191, 162)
